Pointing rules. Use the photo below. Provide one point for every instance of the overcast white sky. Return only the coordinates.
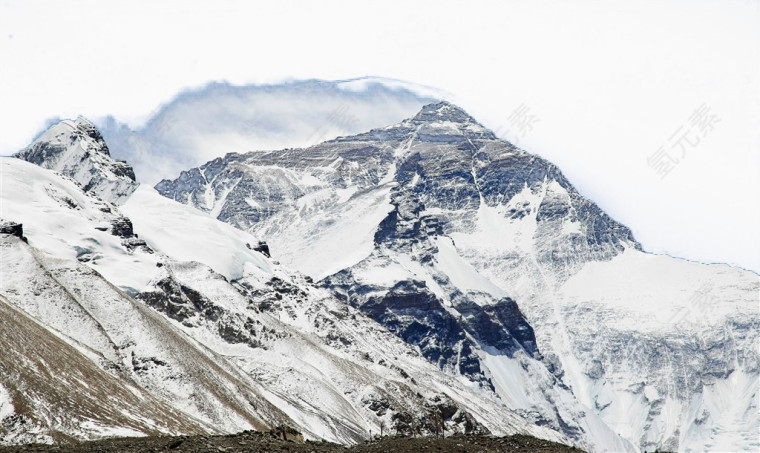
(607, 83)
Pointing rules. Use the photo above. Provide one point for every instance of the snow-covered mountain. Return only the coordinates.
(125, 313)
(490, 263)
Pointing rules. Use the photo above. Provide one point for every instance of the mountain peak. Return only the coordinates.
(68, 130)
(443, 121)
(442, 111)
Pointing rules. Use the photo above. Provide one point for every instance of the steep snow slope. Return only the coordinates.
(699, 322)
(76, 303)
(233, 341)
(470, 225)
(171, 228)
(62, 220)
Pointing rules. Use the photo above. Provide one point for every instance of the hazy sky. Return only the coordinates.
(595, 86)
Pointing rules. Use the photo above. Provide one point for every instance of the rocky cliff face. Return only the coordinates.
(490, 262)
(445, 161)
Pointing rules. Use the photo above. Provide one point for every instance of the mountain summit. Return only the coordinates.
(441, 156)
(443, 112)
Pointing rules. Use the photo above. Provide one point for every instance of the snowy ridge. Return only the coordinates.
(61, 219)
(469, 227)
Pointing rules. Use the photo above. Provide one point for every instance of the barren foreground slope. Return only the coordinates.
(266, 442)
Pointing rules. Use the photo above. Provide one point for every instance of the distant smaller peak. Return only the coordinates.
(61, 131)
(83, 129)
(76, 148)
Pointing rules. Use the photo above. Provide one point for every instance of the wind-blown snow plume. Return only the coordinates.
(199, 125)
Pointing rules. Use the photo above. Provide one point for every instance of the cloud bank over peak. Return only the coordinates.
(220, 118)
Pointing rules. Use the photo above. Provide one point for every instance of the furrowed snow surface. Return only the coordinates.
(467, 228)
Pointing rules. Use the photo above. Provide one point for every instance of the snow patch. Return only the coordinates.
(171, 228)
(650, 292)
(6, 404)
(462, 274)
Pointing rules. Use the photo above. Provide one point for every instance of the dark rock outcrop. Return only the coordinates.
(13, 229)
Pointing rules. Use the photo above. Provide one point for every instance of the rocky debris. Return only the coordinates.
(287, 433)
(265, 442)
(13, 229)
(136, 243)
(269, 298)
(178, 301)
(122, 227)
(441, 415)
